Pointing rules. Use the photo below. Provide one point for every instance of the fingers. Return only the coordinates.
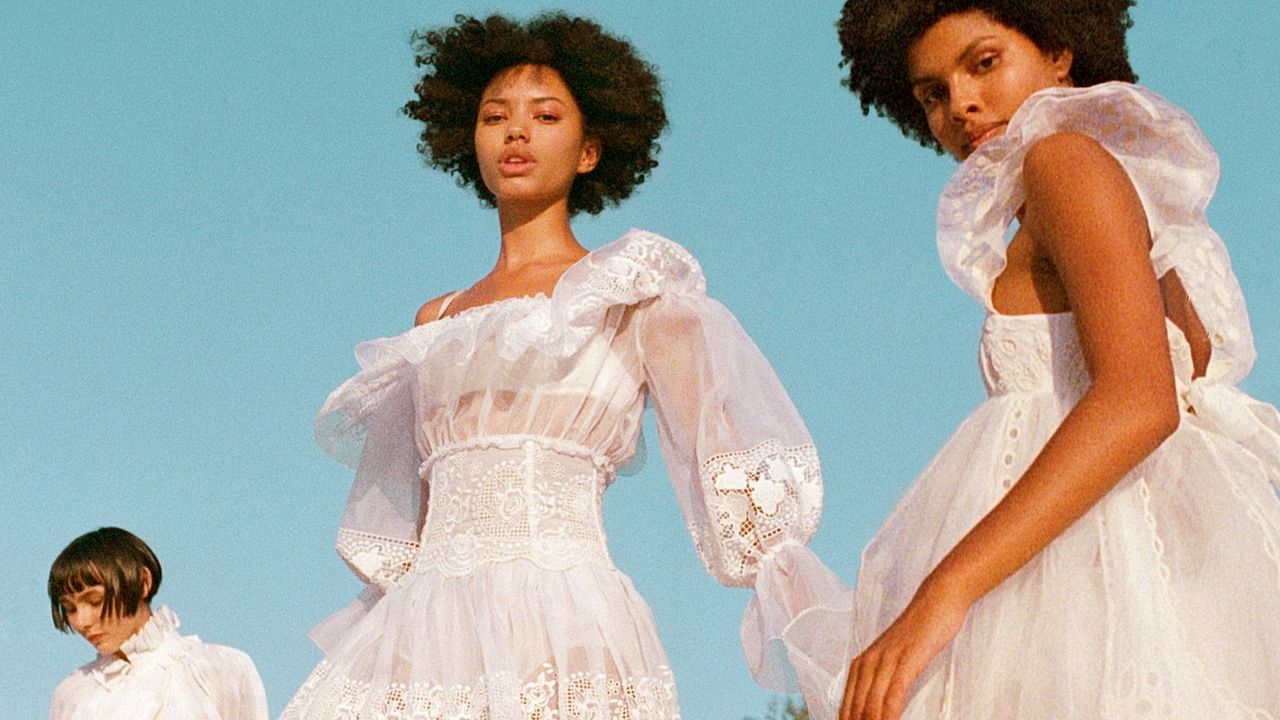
(886, 674)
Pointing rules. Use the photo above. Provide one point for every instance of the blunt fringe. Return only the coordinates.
(112, 557)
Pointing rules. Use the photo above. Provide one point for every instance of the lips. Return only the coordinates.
(516, 163)
(976, 137)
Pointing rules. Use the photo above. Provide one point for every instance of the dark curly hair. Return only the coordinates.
(875, 36)
(617, 92)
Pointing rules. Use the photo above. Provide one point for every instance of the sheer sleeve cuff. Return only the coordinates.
(797, 633)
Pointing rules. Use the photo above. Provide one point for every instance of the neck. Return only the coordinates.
(535, 234)
(140, 619)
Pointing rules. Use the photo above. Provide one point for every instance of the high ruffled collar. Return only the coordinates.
(158, 643)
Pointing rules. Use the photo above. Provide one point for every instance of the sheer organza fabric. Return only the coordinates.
(166, 677)
(483, 444)
(1163, 601)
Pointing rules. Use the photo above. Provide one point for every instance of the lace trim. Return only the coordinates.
(376, 559)
(756, 500)
(493, 505)
(496, 696)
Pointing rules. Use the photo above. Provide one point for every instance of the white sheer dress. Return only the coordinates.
(483, 444)
(167, 676)
(1163, 601)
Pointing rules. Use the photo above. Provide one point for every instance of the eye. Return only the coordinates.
(489, 118)
(546, 117)
(986, 61)
(932, 95)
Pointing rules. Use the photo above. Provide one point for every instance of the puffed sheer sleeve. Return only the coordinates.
(747, 477)
(367, 424)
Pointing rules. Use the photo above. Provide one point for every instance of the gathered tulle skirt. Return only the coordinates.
(1163, 601)
(507, 640)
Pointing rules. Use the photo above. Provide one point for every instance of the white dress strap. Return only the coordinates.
(447, 302)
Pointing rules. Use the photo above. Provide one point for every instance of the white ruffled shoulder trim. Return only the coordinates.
(636, 267)
(1172, 166)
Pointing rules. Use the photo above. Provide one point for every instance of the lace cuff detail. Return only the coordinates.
(378, 560)
(756, 500)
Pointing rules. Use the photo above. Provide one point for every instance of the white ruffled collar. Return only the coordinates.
(156, 643)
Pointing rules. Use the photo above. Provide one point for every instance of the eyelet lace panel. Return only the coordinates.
(549, 695)
(757, 499)
(376, 559)
(494, 504)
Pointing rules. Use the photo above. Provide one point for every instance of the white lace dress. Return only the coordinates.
(483, 444)
(1163, 601)
(167, 677)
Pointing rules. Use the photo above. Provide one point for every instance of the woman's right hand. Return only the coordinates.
(881, 675)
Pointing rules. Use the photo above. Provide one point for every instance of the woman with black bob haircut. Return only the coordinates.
(1099, 538)
(101, 587)
(483, 438)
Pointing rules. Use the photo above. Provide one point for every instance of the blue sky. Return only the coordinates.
(204, 207)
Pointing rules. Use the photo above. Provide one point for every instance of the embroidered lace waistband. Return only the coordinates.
(491, 504)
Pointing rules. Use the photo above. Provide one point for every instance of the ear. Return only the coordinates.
(146, 584)
(590, 156)
(1062, 66)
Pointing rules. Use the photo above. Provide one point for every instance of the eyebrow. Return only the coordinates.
(961, 56)
(504, 101)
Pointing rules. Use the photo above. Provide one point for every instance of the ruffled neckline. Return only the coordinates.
(635, 267)
(1145, 132)
(157, 641)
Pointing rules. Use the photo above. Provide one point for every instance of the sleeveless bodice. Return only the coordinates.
(1041, 353)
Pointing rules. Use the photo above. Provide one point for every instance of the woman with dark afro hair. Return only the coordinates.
(483, 439)
(1101, 537)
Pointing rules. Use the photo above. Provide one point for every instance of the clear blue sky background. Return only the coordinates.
(203, 207)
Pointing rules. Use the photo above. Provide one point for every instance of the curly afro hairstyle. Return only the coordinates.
(876, 35)
(617, 92)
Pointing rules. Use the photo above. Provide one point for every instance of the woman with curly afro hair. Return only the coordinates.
(483, 439)
(1099, 538)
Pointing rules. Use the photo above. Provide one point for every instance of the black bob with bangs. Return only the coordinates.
(112, 557)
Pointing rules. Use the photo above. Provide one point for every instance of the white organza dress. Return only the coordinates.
(1163, 601)
(167, 677)
(483, 444)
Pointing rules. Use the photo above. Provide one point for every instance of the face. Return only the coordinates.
(530, 137)
(970, 74)
(84, 611)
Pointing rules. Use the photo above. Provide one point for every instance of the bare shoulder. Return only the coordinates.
(1070, 157)
(430, 309)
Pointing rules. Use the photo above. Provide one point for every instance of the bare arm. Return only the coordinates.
(1084, 214)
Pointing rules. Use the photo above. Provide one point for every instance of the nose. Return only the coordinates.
(517, 129)
(964, 98)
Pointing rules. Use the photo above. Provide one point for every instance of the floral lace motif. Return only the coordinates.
(1031, 353)
(757, 499)
(376, 559)
(495, 504)
(498, 696)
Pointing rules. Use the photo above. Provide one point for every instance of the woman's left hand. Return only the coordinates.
(880, 677)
